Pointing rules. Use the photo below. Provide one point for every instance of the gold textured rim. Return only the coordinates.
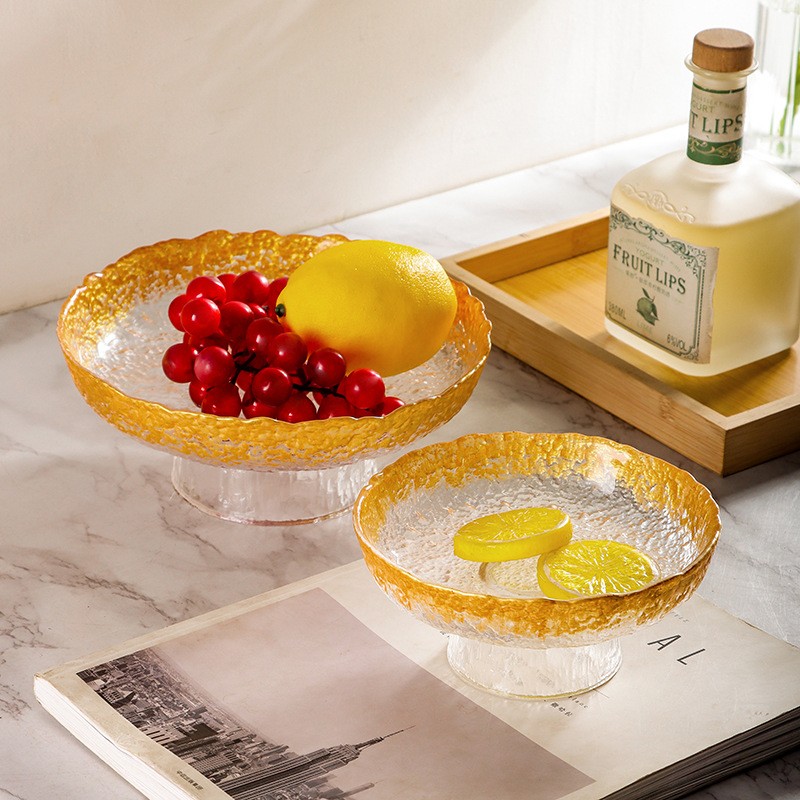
(261, 444)
(529, 618)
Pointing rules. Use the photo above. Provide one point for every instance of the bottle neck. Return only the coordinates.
(716, 116)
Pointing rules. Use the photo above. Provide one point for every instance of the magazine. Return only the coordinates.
(327, 689)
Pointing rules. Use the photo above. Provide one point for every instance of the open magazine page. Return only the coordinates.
(326, 689)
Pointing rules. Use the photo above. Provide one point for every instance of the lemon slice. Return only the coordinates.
(519, 533)
(592, 567)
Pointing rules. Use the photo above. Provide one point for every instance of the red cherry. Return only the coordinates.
(275, 288)
(300, 375)
(390, 403)
(200, 317)
(227, 280)
(334, 406)
(250, 287)
(214, 366)
(197, 392)
(247, 359)
(258, 311)
(174, 311)
(326, 367)
(260, 332)
(272, 386)
(178, 362)
(244, 379)
(222, 401)
(255, 408)
(286, 351)
(235, 316)
(201, 342)
(298, 408)
(207, 286)
(363, 388)
(252, 361)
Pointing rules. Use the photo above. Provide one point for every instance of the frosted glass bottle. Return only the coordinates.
(704, 245)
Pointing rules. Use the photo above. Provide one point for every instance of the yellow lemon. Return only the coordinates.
(589, 567)
(519, 533)
(383, 306)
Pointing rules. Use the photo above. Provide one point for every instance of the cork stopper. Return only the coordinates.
(722, 50)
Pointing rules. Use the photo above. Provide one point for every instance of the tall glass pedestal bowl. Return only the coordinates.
(516, 641)
(114, 329)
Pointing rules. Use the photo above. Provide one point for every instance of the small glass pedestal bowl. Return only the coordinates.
(114, 329)
(511, 640)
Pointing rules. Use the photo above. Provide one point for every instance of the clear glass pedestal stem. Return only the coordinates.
(533, 673)
(279, 497)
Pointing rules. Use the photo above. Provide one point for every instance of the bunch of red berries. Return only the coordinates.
(239, 358)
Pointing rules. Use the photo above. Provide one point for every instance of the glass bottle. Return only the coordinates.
(773, 118)
(704, 245)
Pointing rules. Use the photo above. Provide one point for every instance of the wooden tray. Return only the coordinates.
(544, 293)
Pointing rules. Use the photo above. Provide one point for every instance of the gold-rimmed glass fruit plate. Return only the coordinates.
(505, 635)
(114, 330)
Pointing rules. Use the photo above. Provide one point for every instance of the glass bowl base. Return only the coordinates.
(279, 497)
(533, 673)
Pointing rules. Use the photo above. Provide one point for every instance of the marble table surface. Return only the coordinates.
(96, 547)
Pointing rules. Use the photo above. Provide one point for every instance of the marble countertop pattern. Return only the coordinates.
(97, 548)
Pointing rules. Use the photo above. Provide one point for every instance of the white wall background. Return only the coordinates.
(123, 122)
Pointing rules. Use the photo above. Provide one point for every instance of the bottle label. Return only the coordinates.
(659, 287)
(716, 125)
